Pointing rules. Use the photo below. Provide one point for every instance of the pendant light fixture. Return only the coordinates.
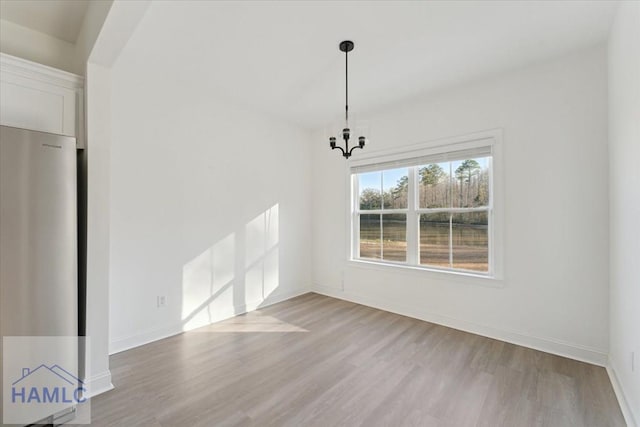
(346, 47)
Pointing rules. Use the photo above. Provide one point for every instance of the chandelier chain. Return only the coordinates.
(346, 88)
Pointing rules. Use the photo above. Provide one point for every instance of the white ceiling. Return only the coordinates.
(283, 58)
(61, 19)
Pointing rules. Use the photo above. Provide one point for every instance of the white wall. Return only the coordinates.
(38, 47)
(624, 198)
(210, 203)
(96, 164)
(94, 19)
(97, 48)
(554, 293)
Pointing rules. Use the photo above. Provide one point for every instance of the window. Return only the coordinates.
(383, 199)
(431, 208)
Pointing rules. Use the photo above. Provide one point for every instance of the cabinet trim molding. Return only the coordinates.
(28, 77)
(31, 70)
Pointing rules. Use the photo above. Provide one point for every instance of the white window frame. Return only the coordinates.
(402, 157)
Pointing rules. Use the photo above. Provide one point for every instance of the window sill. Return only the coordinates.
(424, 272)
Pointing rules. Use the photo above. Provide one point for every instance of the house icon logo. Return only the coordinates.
(47, 384)
(42, 382)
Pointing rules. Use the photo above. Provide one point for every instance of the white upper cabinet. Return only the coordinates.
(37, 97)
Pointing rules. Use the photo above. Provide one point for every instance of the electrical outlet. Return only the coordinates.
(162, 301)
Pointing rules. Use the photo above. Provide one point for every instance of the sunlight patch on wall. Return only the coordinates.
(235, 275)
(262, 261)
(262, 234)
(207, 284)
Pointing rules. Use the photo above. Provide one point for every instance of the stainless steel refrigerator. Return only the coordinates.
(38, 234)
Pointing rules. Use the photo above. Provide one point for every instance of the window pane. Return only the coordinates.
(394, 237)
(434, 185)
(395, 187)
(470, 241)
(370, 242)
(470, 182)
(434, 239)
(370, 184)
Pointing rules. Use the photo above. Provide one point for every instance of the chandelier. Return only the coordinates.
(346, 47)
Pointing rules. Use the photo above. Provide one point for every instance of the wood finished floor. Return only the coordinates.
(319, 361)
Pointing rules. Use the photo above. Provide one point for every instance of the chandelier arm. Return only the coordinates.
(353, 148)
(339, 148)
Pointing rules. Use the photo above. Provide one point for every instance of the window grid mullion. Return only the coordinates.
(381, 217)
(453, 210)
(355, 221)
(450, 240)
(411, 223)
(451, 183)
(380, 211)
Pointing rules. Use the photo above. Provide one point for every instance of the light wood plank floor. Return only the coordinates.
(319, 361)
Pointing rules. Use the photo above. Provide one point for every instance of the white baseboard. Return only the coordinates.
(627, 410)
(548, 345)
(99, 383)
(150, 335)
(145, 337)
